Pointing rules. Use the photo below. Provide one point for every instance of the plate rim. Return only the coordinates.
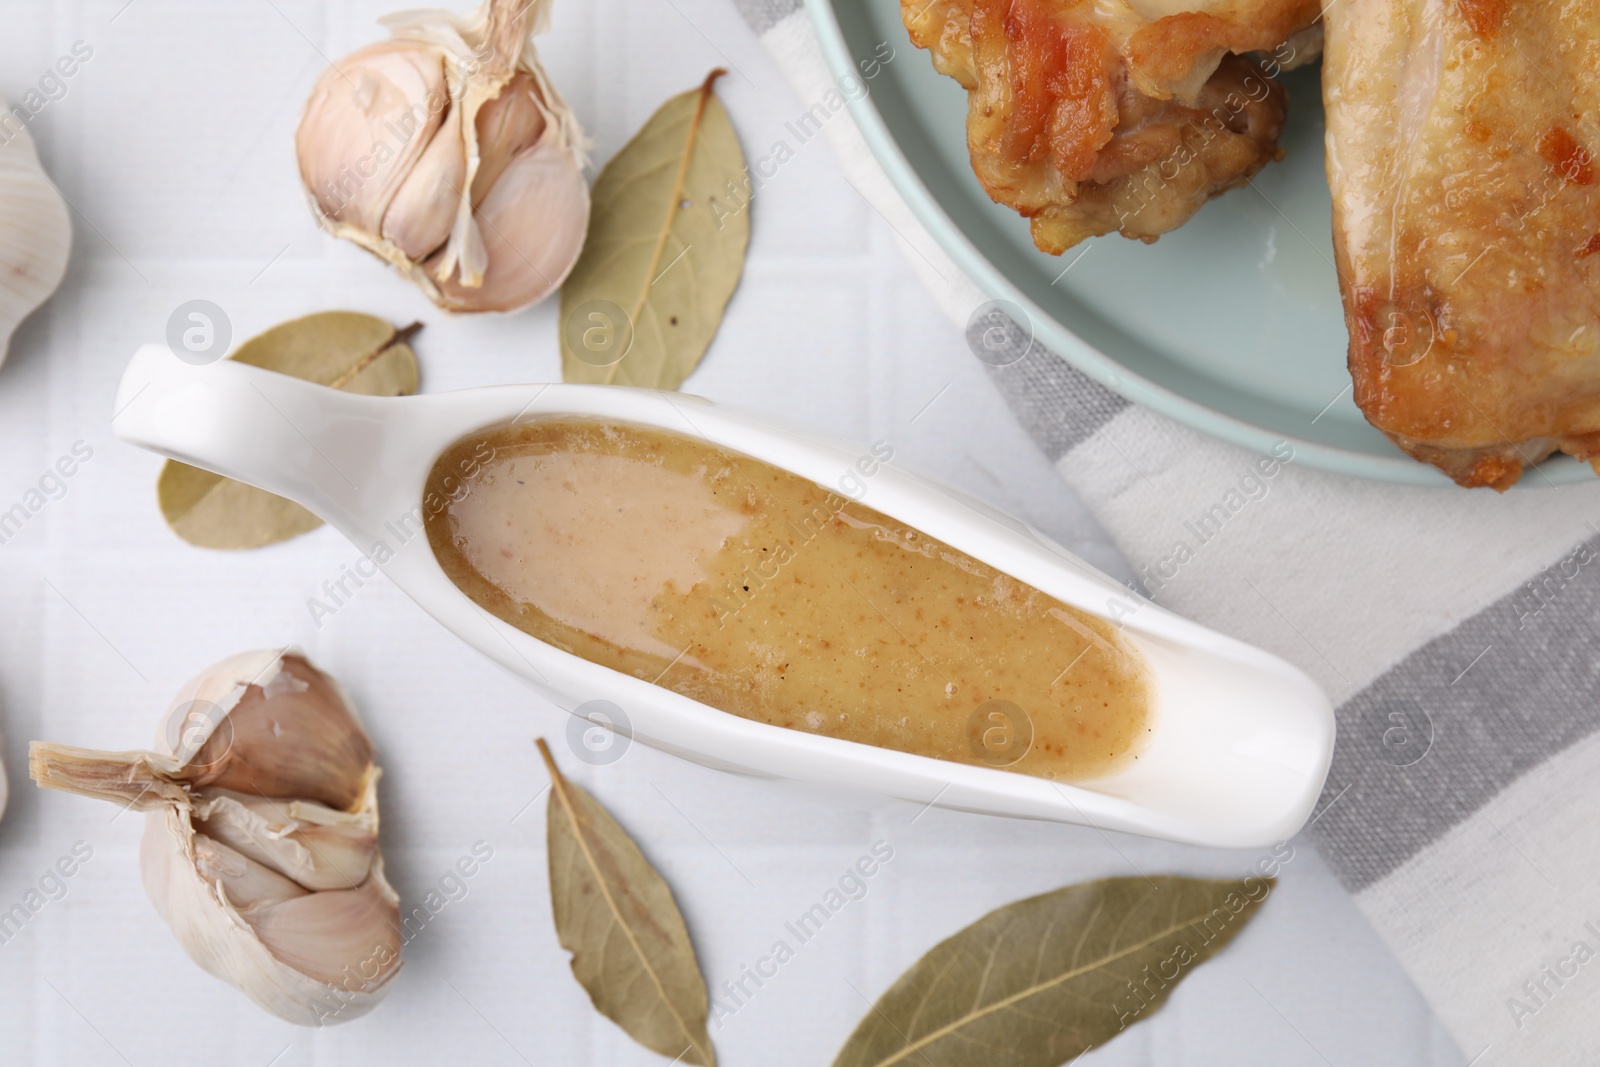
(1102, 368)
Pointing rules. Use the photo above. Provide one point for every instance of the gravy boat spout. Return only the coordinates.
(1239, 741)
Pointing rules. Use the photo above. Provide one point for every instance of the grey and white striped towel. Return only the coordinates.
(1455, 631)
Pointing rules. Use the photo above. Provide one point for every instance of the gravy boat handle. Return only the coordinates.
(338, 454)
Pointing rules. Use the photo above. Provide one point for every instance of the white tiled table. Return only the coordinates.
(173, 142)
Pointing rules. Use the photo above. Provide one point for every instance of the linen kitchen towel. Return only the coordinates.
(1455, 630)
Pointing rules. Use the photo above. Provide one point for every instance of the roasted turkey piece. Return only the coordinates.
(1461, 141)
(1089, 116)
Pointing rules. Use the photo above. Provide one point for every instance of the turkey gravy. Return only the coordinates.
(753, 590)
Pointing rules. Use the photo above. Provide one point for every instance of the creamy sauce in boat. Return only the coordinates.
(758, 592)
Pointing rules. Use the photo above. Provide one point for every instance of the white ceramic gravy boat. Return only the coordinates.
(1241, 740)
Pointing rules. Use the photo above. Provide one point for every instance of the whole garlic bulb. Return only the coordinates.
(35, 232)
(261, 840)
(447, 152)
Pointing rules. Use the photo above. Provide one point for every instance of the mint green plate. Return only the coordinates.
(1231, 324)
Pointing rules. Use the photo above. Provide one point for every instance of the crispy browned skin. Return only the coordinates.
(1466, 222)
(1088, 117)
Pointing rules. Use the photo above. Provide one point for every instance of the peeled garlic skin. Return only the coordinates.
(533, 223)
(446, 223)
(35, 240)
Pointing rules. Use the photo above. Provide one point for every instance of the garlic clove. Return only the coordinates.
(243, 883)
(369, 120)
(533, 224)
(507, 125)
(316, 846)
(289, 733)
(420, 217)
(35, 240)
(335, 935)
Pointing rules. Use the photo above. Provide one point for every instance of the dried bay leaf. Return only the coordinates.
(666, 247)
(615, 914)
(1038, 982)
(340, 349)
